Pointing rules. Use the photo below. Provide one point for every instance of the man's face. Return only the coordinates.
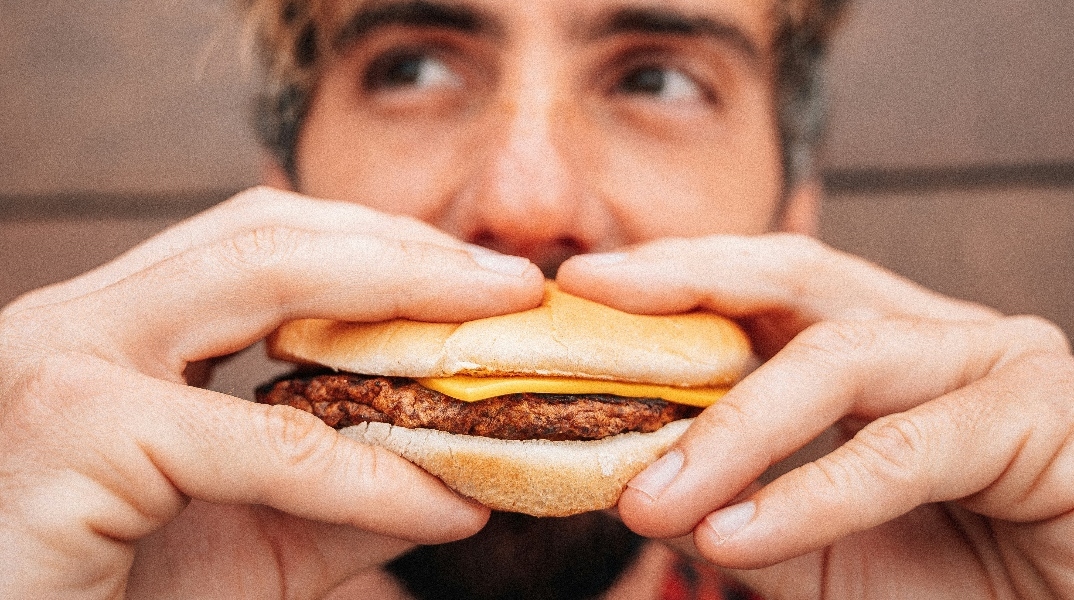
(544, 128)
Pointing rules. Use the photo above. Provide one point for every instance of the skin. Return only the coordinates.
(535, 137)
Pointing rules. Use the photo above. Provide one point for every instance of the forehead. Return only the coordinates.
(753, 20)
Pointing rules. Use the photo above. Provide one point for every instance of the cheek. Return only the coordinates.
(721, 186)
(721, 173)
(410, 167)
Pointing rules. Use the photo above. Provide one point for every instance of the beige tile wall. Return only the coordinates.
(1011, 248)
(39, 252)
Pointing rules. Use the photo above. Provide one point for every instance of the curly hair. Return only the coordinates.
(292, 36)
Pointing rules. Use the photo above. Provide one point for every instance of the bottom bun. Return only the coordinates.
(537, 477)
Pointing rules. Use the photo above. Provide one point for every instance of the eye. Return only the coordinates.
(661, 82)
(409, 69)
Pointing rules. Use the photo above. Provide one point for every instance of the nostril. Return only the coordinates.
(487, 239)
(572, 245)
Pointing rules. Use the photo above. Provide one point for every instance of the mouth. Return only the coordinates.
(548, 256)
(549, 264)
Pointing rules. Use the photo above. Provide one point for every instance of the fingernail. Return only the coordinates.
(729, 521)
(658, 476)
(603, 258)
(498, 263)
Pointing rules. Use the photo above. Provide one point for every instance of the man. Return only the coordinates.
(636, 150)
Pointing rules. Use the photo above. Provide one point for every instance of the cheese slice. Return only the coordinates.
(472, 389)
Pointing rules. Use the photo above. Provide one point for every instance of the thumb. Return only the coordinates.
(225, 450)
(136, 449)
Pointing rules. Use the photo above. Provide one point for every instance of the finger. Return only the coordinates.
(166, 442)
(75, 498)
(291, 461)
(218, 299)
(1006, 453)
(745, 276)
(915, 551)
(867, 369)
(256, 208)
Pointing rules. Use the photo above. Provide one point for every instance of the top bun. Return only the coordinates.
(565, 336)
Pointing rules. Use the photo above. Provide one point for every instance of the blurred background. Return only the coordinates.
(950, 157)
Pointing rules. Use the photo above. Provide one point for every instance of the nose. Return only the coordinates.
(528, 195)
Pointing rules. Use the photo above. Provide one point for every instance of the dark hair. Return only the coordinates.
(288, 40)
(801, 48)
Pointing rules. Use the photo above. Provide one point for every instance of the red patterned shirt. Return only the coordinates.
(688, 580)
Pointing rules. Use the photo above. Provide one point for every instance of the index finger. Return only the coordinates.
(220, 298)
(253, 209)
(743, 276)
(869, 370)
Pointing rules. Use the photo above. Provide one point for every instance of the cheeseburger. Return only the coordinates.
(548, 412)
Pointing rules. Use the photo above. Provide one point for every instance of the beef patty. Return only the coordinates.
(341, 400)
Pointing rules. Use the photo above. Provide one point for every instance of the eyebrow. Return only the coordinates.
(412, 13)
(660, 21)
(467, 19)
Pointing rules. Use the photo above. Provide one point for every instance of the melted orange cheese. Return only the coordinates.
(472, 389)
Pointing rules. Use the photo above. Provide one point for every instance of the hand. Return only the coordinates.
(104, 445)
(953, 478)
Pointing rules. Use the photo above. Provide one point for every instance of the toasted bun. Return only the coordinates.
(565, 336)
(536, 477)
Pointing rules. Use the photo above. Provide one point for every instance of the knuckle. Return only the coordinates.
(891, 450)
(834, 473)
(263, 248)
(1044, 380)
(367, 466)
(410, 250)
(1049, 364)
(797, 260)
(837, 342)
(51, 376)
(725, 415)
(298, 440)
(36, 396)
(1038, 333)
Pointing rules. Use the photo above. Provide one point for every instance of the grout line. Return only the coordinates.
(849, 182)
(104, 205)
